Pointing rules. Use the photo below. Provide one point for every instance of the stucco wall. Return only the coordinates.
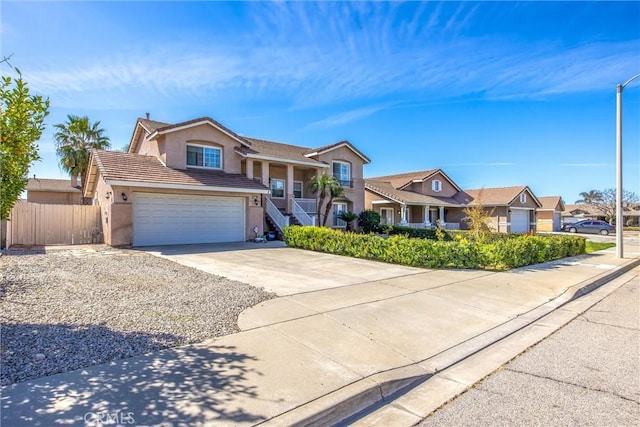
(54, 197)
(426, 187)
(355, 194)
(175, 146)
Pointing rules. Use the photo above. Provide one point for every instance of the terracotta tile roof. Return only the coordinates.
(501, 196)
(337, 144)
(401, 179)
(410, 197)
(550, 202)
(55, 185)
(119, 166)
(278, 150)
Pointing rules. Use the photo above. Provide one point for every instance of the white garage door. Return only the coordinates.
(174, 219)
(519, 221)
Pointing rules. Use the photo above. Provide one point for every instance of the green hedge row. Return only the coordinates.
(460, 252)
(425, 233)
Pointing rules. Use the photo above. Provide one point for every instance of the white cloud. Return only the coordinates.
(346, 117)
(316, 53)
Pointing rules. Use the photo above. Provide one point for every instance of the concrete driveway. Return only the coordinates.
(279, 269)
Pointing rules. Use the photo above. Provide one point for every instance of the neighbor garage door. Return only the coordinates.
(519, 221)
(163, 219)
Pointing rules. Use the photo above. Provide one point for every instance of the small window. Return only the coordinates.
(436, 185)
(297, 190)
(523, 198)
(277, 188)
(342, 172)
(204, 157)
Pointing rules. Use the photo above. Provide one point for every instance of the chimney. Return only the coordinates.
(74, 181)
(148, 115)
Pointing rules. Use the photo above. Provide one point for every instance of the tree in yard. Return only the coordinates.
(74, 141)
(347, 217)
(335, 192)
(21, 125)
(325, 185)
(478, 218)
(606, 203)
(588, 197)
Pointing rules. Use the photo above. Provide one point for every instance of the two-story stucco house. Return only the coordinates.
(200, 182)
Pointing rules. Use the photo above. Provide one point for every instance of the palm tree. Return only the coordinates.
(348, 217)
(74, 141)
(318, 185)
(593, 196)
(335, 192)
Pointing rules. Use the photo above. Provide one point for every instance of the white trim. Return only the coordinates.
(335, 213)
(188, 144)
(198, 123)
(523, 197)
(284, 188)
(344, 144)
(282, 160)
(433, 185)
(526, 209)
(381, 202)
(184, 187)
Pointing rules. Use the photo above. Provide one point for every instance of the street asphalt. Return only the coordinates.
(586, 374)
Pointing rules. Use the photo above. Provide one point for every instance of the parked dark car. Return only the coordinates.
(590, 226)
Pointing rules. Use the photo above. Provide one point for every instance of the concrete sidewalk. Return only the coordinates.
(314, 357)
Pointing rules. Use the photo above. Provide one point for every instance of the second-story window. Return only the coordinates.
(523, 198)
(204, 157)
(342, 172)
(436, 185)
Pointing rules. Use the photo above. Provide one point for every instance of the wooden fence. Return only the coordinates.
(41, 224)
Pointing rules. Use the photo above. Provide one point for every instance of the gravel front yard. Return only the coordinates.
(69, 309)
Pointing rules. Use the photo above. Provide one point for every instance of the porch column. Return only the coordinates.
(403, 213)
(442, 220)
(265, 174)
(249, 168)
(289, 187)
(426, 214)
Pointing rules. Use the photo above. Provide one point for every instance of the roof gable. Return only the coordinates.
(197, 122)
(499, 196)
(337, 145)
(552, 203)
(403, 180)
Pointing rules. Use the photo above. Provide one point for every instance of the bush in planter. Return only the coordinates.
(369, 221)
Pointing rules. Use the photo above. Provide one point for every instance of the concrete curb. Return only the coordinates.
(352, 402)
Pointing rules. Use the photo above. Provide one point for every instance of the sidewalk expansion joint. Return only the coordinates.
(586, 319)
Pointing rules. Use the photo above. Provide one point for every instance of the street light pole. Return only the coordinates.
(619, 192)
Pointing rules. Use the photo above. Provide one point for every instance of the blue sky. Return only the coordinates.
(494, 93)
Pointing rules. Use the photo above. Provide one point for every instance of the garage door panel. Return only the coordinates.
(519, 221)
(162, 219)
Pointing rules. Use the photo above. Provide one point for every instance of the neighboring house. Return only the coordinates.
(415, 199)
(579, 212)
(424, 198)
(549, 216)
(513, 209)
(54, 191)
(200, 182)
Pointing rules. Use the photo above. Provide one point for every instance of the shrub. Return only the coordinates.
(509, 251)
(369, 221)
